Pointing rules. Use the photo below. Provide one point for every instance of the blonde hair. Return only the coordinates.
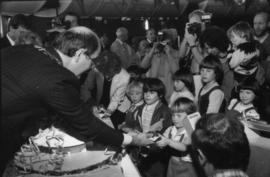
(183, 104)
(198, 12)
(135, 83)
(241, 29)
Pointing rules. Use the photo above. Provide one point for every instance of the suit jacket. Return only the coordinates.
(34, 86)
(4, 42)
(125, 55)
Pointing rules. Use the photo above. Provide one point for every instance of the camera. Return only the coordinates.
(161, 37)
(67, 24)
(206, 17)
(194, 28)
(160, 47)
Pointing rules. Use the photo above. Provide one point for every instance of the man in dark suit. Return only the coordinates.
(39, 83)
(121, 48)
(17, 24)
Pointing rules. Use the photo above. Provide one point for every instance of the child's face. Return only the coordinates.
(246, 96)
(151, 97)
(178, 85)
(236, 39)
(136, 94)
(178, 119)
(207, 75)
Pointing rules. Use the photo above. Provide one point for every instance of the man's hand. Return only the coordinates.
(95, 111)
(141, 140)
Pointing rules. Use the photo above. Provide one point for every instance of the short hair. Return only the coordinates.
(212, 62)
(186, 77)
(108, 63)
(137, 70)
(72, 14)
(241, 29)
(151, 29)
(138, 83)
(222, 139)
(121, 30)
(76, 38)
(215, 37)
(265, 14)
(250, 83)
(154, 84)
(184, 104)
(198, 12)
(19, 20)
(29, 37)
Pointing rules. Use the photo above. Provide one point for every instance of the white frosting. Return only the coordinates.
(53, 137)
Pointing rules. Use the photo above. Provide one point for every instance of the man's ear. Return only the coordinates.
(78, 53)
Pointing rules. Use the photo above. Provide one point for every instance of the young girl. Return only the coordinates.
(135, 94)
(211, 97)
(248, 91)
(152, 117)
(183, 86)
(176, 138)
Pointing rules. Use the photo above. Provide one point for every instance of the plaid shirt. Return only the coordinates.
(230, 173)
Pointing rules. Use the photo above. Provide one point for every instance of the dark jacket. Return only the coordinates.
(161, 112)
(4, 42)
(35, 86)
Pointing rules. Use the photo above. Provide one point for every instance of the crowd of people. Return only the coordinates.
(149, 89)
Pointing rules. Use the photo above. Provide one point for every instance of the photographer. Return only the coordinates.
(162, 61)
(190, 52)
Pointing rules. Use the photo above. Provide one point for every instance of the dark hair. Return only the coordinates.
(250, 83)
(221, 138)
(212, 62)
(187, 78)
(71, 40)
(183, 104)
(50, 39)
(156, 85)
(215, 37)
(19, 20)
(108, 63)
(137, 70)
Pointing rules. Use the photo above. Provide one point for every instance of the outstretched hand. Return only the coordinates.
(141, 140)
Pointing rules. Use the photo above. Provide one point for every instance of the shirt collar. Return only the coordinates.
(262, 39)
(12, 42)
(121, 42)
(152, 106)
(139, 103)
(149, 41)
(175, 131)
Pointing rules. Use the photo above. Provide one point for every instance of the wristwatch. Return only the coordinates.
(192, 46)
